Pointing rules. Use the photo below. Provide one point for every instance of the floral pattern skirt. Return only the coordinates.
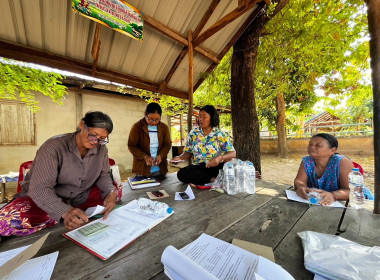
(23, 217)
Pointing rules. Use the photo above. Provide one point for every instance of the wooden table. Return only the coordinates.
(266, 217)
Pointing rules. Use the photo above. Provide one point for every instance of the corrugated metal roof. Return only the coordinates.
(51, 26)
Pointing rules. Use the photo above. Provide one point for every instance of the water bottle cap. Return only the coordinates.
(355, 169)
(170, 210)
(313, 200)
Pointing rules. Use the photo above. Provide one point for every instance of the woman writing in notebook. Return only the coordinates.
(70, 173)
(209, 148)
(149, 142)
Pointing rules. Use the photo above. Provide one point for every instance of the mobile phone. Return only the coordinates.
(157, 193)
(92, 229)
(184, 195)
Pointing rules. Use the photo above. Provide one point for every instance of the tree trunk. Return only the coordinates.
(245, 123)
(374, 45)
(282, 150)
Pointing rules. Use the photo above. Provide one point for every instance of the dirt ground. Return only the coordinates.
(274, 169)
(284, 170)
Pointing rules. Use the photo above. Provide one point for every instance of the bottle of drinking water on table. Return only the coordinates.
(356, 183)
(239, 173)
(250, 174)
(159, 209)
(314, 197)
(230, 179)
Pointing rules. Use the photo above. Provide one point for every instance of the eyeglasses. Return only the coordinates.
(152, 120)
(93, 138)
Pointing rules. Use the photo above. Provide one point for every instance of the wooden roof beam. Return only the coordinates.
(164, 29)
(95, 47)
(230, 17)
(183, 53)
(28, 54)
(172, 70)
(242, 28)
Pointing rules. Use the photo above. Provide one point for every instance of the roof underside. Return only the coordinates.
(49, 33)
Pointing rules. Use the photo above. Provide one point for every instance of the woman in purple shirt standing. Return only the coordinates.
(70, 173)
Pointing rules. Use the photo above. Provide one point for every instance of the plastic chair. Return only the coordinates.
(111, 161)
(357, 165)
(338, 229)
(22, 172)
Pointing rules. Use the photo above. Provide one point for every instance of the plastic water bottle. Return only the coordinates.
(314, 197)
(159, 209)
(239, 173)
(230, 179)
(250, 174)
(356, 183)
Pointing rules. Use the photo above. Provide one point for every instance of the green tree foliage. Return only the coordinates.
(18, 81)
(311, 44)
(308, 45)
(215, 90)
(169, 104)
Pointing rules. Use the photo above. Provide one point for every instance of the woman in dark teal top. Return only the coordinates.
(324, 170)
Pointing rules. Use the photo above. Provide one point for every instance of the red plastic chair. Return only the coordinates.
(111, 161)
(22, 172)
(357, 165)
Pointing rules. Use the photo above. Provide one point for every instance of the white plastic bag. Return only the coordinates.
(334, 257)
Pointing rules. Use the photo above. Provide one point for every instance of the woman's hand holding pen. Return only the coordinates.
(74, 218)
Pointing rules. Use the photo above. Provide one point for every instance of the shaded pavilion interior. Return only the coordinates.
(182, 40)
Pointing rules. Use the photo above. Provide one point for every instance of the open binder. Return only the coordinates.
(124, 225)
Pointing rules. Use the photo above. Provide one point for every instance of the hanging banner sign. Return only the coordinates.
(115, 14)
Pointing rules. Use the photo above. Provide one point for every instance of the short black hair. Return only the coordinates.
(153, 108)
(98, 119)
(333, 142)
(209, 109)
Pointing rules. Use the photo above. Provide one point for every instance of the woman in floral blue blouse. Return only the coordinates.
(209, 148)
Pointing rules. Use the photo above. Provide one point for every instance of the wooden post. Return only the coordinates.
(374, 46)
(79, 105)
(191, 78)
(181, 129)
(95, 48)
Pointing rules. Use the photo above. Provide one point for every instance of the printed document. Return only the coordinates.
(293, 196)
(211, 258)
(40, 268)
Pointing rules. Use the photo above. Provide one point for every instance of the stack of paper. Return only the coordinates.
(16, 264)
(211, 258)
(139, 182)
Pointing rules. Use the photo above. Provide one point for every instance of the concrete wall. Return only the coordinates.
(357, 145)
(53, 119)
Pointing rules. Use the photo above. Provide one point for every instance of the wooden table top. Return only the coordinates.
(266, 218)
